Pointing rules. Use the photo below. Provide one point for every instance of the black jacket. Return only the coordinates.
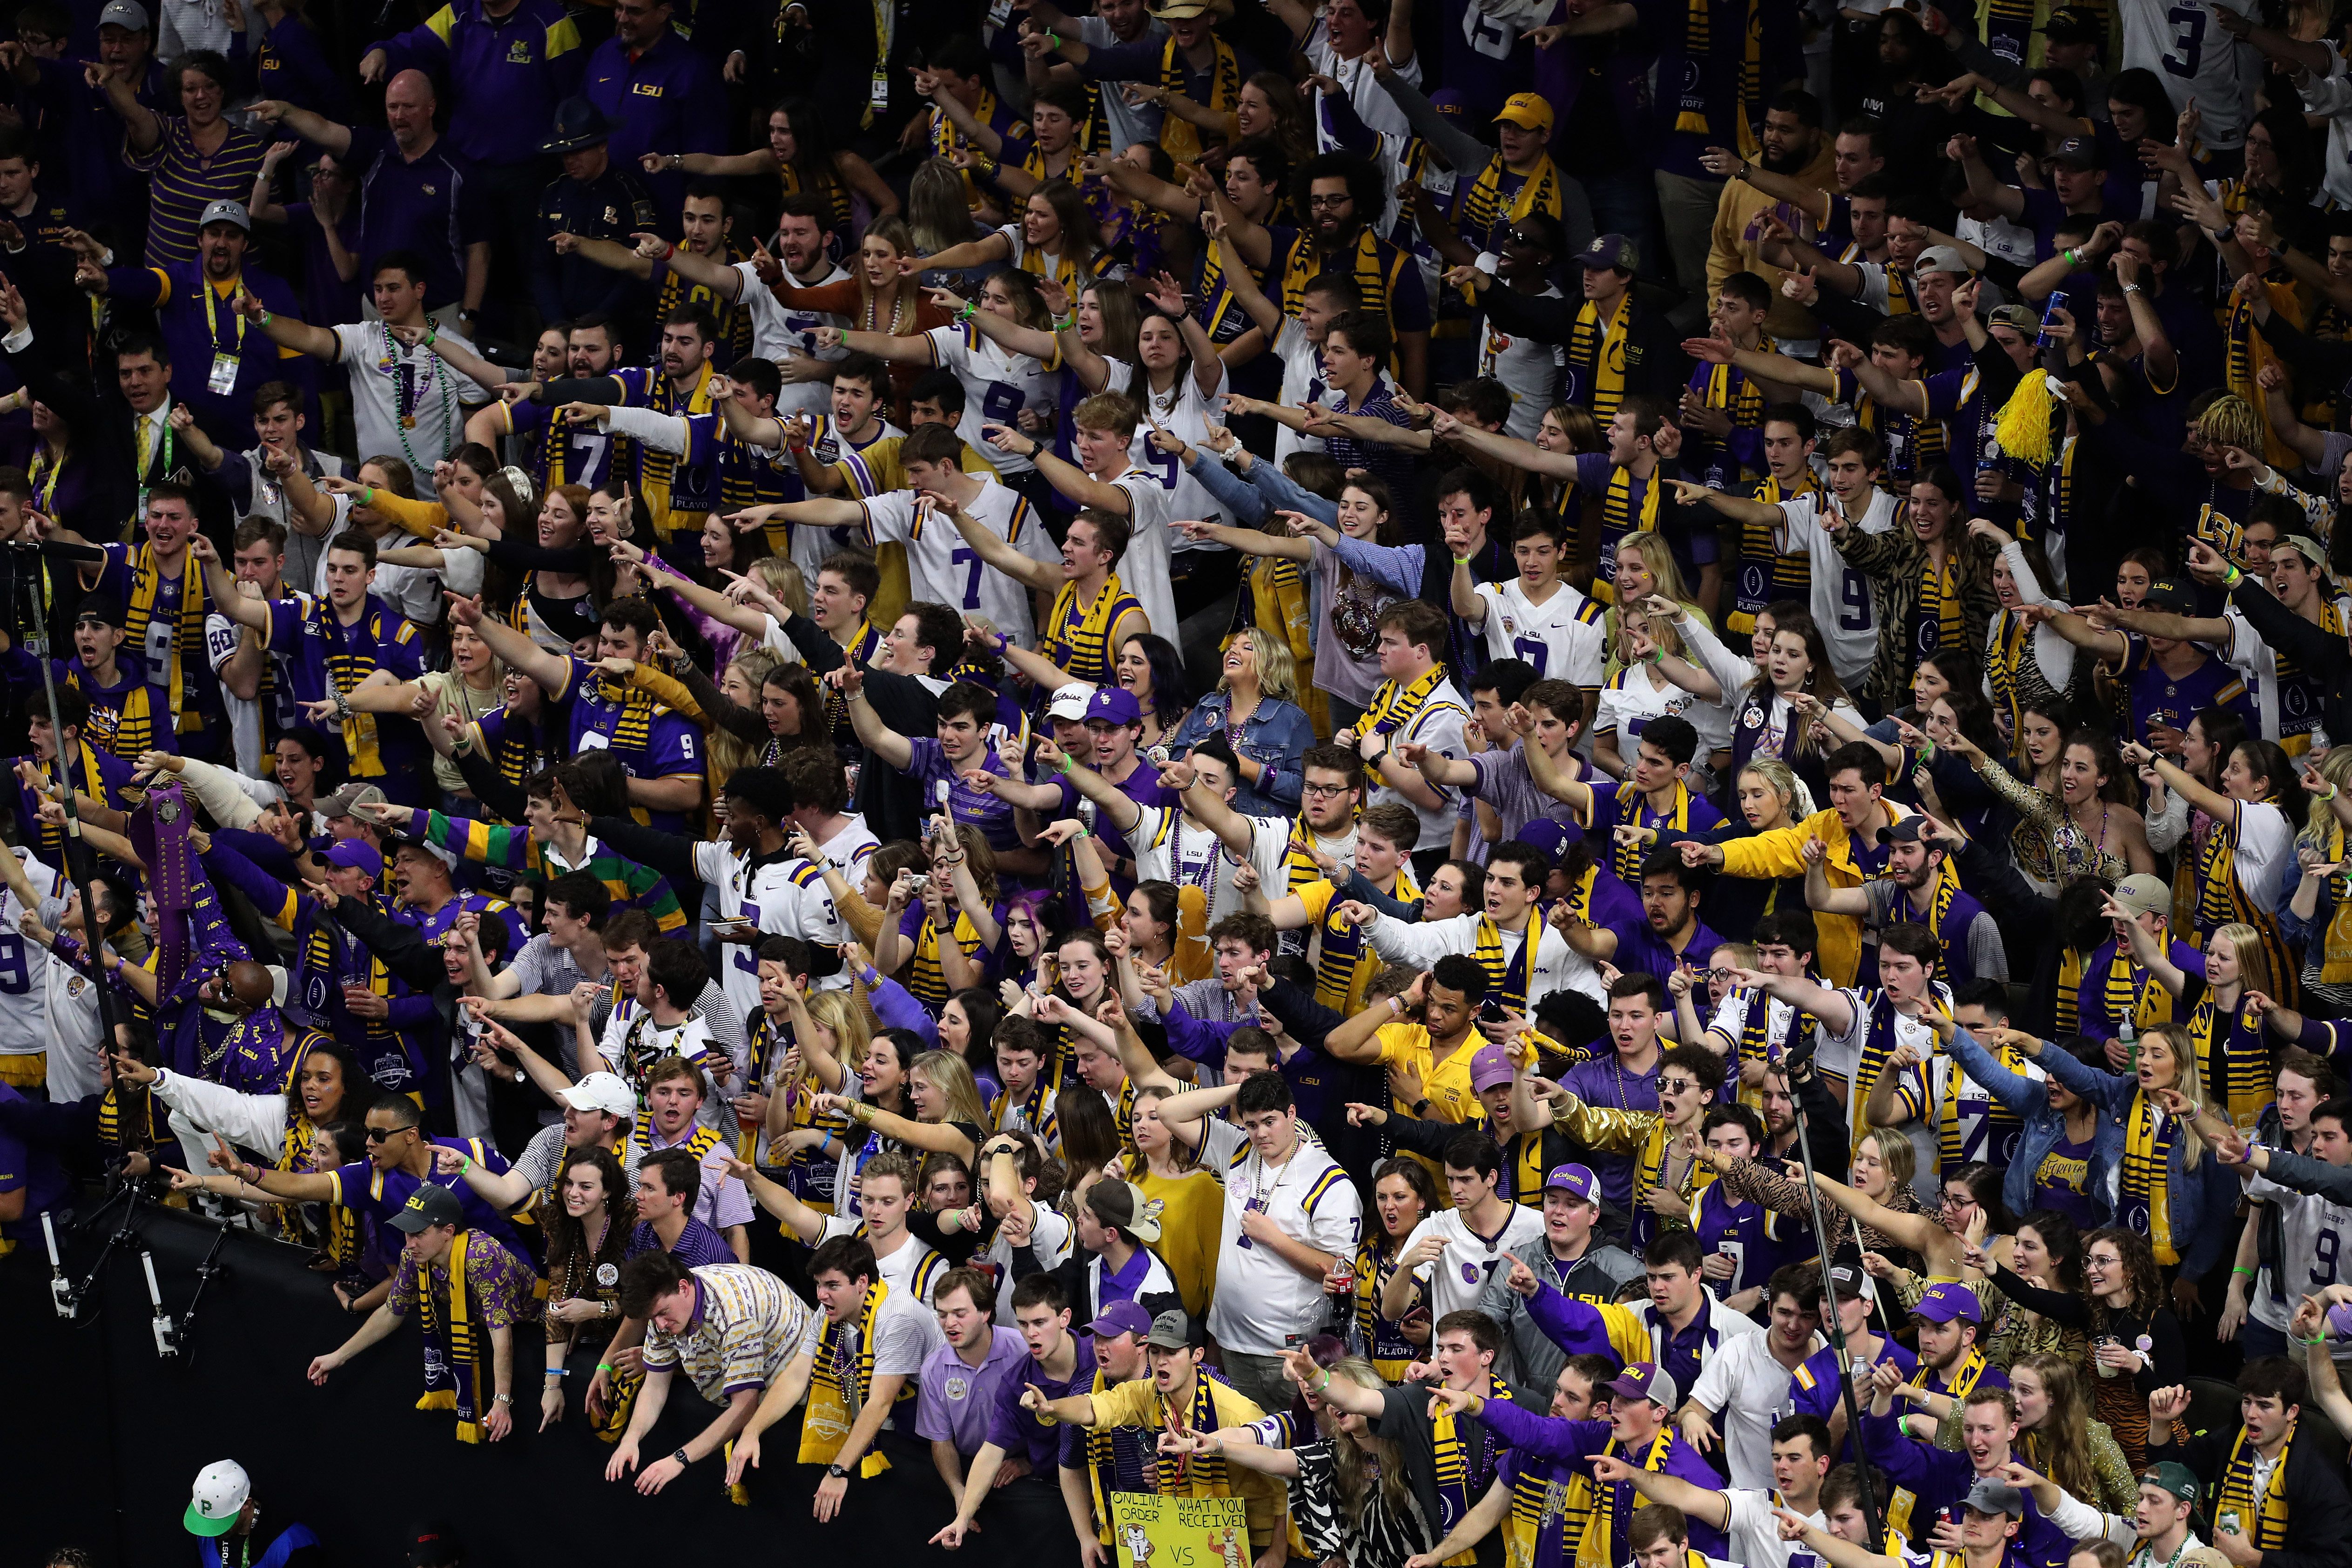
(2319, 1509)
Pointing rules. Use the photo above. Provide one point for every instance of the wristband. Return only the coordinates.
(267, 318)
(1065, 323)
(557, 1371)
(1053, 38)
(465, 1164)
(1462, 561)
(431, 338)
(603, 1366)
(1003, 642)
(2321, 1340)
(2069, 257)
(968, 313)
(2232, 577)
(367, 494)
(2249, 1273)
(670, 252)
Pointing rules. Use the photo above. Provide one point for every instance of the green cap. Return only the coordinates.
(2173, 1477)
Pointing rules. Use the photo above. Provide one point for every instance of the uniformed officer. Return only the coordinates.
(596, 199)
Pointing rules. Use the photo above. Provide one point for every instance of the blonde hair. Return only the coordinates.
(780, 577)
(1658, 556)
(2231, 421)
(730, 751)
(836, 1010)
(951, 1076)
(2246, 946)
(2319, 827)
(2190, 1084)
(1277, 672)
(1782, 781)
(1895, 1152)
(1347, 1458)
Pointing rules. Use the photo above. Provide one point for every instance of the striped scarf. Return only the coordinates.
(1281, 605)
(453, 1350)
(2263, 1519)
(1375, 279)
(2219, 900)
(1483, 209)
(1118, 1459)
(1766, 572)
(1975, 1126)
(2002, 669)
(1347, 964)
(1614, 1501)
(2336, 957)
(1877, 1045)
(1547, 1516)
(767, 1042)
(125, 730)
(2066, 1017)
(835, 194)
(1394, 707)
(1596, 351)
(1507, 981)
(1967, 1373)
(1378, 1340)
(1698, 42)
(1622, 513)
(1181, 1475)
(838, 1386)
(656, 470)
(2008, 29)
(2144, 1197)
(1936, 622)
(1179, 137)
(187, 636)
(121, 1128)
(2236, 1068)
(1077, 637)
(1462, 1476)
(1625, 860)
(2131, 992)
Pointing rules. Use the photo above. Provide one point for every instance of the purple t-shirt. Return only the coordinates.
(1016, 1431)
(697, 1247)
(958, 1402)
(932, 771)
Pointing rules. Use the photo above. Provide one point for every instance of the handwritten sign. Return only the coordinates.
(1154, 1531)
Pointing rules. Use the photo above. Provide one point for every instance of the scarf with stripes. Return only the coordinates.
(1374, 278)
(1077, 637)
(2336, 957)
(839, 1385)
(452, 1349)
(2263, 1519)
(1698, 42)
(2237, 1058)
(1623, 513)
(1483, 207)
(1463, 1475)
(1394, 706)
(187, 635)
(1614, 1501)
(1596, 349)
(1179, 137)
(2144, 1195)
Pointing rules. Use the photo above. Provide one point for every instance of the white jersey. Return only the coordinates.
(1755, 1533)
(814, 919)
(1372, 101)
(1556, 967)
(1264, 1306)
(1184, 409)
(1438, 725)
(2285, 708)
(780, 333)
(997, 385)
(630, 1031)
(1638, 694)
(1562, 637)
(44, 1003)
(942, 568)
(811, 543)
(1529, 368)
(754, 889)
(1302, 383)
(2313, 1239)
(1843, 605)
(1170, 847)
(222, 636)
(912, 1271)
(1144, 568)
(2193, 57)
(1459, 1275)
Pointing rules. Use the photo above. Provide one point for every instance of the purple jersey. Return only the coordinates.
(2158, 698)
(646, 738)
(324, 657)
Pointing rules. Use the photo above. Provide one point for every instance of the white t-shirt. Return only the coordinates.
(1469, 1263)
(906, 1333)
(1302, 383)
(1841, 602)
(1144, 568)
(1557, 966)
(1562, 637)
(1170, 848)
(391, 382)
(912, 1271)
(1755, 1533)
(1841, 1054)
(1731, 1019)
(997, 385)
(779, 333)
(1049, 1238)
(1746, 1387)
(1372, 103)
(1264, 1306)
(943, 568)
(2265, 839)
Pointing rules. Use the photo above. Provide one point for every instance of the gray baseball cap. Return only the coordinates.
(226, 212)
(1941, 258)
(125, 13)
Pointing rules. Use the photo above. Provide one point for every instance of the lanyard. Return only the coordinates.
(212, 324)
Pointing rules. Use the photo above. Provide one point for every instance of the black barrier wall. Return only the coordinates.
(104, 1438)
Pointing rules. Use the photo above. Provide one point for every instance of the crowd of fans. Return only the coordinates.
(1541, 781)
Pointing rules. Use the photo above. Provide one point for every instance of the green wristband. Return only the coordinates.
(1462, 561)
(2232, 577)
(2249, 1273)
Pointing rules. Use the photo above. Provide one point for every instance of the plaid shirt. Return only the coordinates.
(746, 1326)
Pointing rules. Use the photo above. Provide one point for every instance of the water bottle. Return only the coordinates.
(2129, 1034)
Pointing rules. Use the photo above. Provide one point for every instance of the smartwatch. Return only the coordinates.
(832, 1471)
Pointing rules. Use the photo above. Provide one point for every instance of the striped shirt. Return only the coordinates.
(185, 181)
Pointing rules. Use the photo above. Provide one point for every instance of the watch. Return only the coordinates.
(501, 1398)
(833, 1472)
(683, 1462)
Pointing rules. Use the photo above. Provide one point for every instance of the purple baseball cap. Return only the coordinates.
(1118, 1318)
(1114, 705)
(356, 854)
(1646, 1380)
(1942, 1303)
(1490, 1068)
(1578, 1179)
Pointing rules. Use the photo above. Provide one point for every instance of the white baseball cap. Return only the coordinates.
(222, 1488)
(1070, 702)
(602, 1092)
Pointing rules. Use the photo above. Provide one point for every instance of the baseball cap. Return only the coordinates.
(1172, 1330)
(2077, 152)
(602, 1092)
(1118, 1318)
(2016, 318)
(433, 1544)
(2068, 26)
(1114, 705)
(1610, 250)
(1941, 258)
(2305, 546)
(1448, 101)
(1122, 1204)
(1527, 111)
(1490, 1067)
(1646, 1380)
(1942, 1303)
(2143, 894)
(1845, 1282)
(1070, 702)
(2170, 594)
(340, 803)
(226, 212)
(1908, 830)
(221, 1488)
(428, 1205)
(2173, 1477)
(1578, 1179)
(1990, 1496)
(125, 13)
(356, 854)
(102, 607)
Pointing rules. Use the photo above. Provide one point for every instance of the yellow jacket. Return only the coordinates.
(1730, 249)
(1781, 852)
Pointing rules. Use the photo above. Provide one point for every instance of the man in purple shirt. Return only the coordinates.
(962, 1382)
(657, 90)
(1059, 1363)
(666, 1216)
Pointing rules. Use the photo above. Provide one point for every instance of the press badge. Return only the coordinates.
(222, 381)
(877, 96)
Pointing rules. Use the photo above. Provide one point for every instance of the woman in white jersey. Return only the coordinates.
(1175, 377)
(1640, 691)
(1054, 239)
(998, 383)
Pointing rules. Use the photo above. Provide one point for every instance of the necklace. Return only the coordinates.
(394, 366)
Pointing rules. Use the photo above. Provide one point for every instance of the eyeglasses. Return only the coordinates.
(1330, 204)
(1323, 789)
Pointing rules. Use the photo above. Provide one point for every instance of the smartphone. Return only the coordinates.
(1491, 1011)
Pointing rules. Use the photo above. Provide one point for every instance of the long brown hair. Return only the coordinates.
(567, 1240)
(2060, 1448)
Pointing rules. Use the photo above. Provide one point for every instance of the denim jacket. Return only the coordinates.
(1276, 735)
(2201, 1199)
(2044, 1126)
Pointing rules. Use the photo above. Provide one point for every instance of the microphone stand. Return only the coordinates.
(206, 1272)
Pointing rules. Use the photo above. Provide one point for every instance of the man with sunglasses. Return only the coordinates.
(400, 1159)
